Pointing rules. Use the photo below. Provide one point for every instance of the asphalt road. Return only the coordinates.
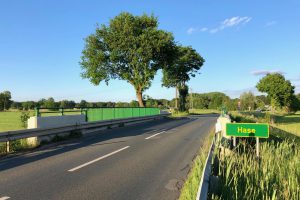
(145, 161)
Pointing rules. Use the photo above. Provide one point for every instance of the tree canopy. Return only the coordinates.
(130, 48)
(279, 90)
(186, 65)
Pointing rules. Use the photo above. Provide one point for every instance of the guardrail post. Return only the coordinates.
(62, 111)
(86, 114)
(7, 147)
(37, 111)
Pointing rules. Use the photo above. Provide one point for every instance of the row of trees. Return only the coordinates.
(70, 104)
(212, 100)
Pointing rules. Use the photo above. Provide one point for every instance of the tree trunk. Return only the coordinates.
(139, 95)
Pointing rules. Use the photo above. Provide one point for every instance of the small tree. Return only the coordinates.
(5, 100)
(130, 48)
(248, 101)
(186, 65)
(279, 90)
(24, 118)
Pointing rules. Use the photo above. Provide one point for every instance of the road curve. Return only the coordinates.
(140, 162)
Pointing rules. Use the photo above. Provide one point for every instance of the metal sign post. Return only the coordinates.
(257, 147)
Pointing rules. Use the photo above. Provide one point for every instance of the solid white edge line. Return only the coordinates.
(4, 198)
(154, 135)
(97, 159)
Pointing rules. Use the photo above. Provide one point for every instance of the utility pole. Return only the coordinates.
(176, 97)
(191, 99)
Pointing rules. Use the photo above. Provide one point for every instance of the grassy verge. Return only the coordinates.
(276, 175)
(203, 111)
(179, 114)
(190, 187)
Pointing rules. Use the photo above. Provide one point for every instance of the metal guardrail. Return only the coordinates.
(204, 182)
(37, 132)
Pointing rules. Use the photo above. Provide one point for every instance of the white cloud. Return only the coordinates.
(265, 72)
(271, 23)
(227, 23)
(191, 30)
(231, 22)
(203, 29)
(237, 93)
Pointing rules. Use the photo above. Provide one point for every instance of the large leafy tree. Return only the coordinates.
(279, 90)
(130, 48)
(186, 65)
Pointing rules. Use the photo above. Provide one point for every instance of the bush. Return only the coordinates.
(24, 118)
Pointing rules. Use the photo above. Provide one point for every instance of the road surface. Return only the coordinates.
(139, 162)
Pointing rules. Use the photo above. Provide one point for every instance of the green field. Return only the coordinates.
(10, 120)
(289, 123)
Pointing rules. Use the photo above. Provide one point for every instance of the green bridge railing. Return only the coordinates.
(99, 114)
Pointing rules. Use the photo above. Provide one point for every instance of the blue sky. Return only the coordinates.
(41, 44)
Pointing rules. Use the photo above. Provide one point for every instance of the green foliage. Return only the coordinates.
(248, 101)
(5, 100)
(50, 103)
(279, 90)
(67, 104)
(187, 65)
(212, 100)
(23, 118)
(130, 48)
(183, 92)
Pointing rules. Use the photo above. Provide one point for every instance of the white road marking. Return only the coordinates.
(95, 160)
(4, 198)
(154, 135)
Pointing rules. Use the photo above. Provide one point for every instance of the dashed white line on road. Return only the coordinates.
(154, 135)
(4, 198)
(95, 160)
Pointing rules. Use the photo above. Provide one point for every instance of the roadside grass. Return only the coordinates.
(190, 187)
(203, 111)
(276, 175)
(179, 114)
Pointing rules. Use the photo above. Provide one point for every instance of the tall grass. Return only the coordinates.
(276, 175)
